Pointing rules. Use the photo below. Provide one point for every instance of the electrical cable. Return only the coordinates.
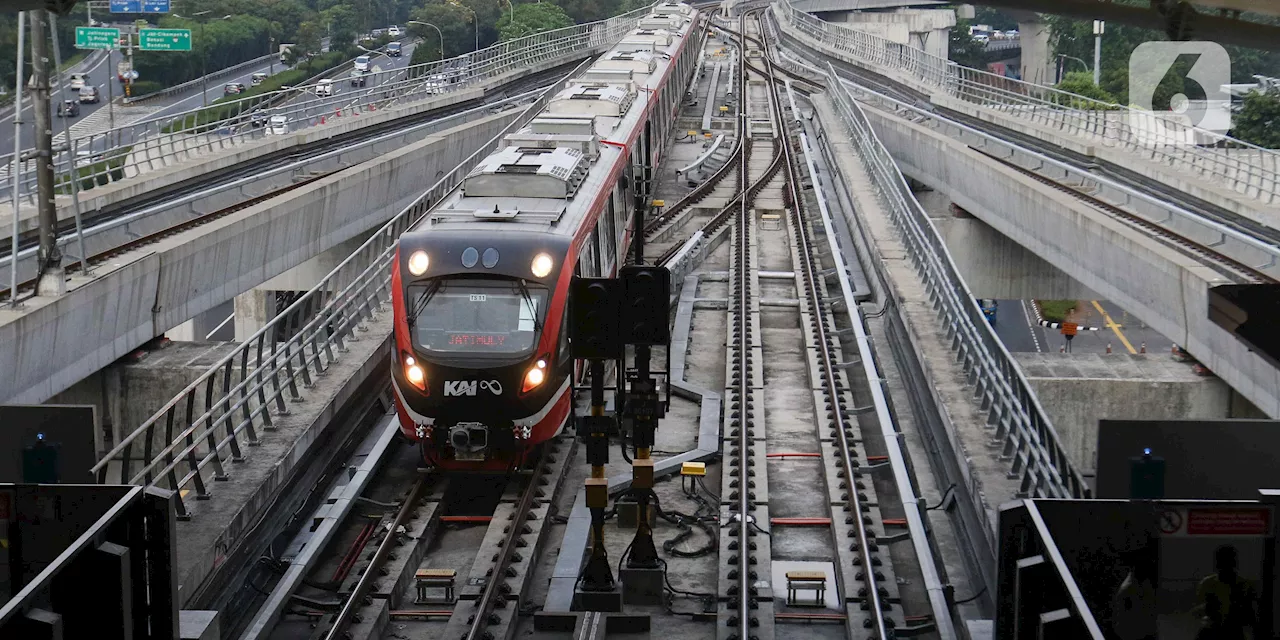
(972, 597)
(943, 499)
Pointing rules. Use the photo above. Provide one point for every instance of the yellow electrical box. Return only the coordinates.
(724, 109)
(692, 132)
(659, 203)
(693, 469)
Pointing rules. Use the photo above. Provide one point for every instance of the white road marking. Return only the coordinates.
(1031, 326)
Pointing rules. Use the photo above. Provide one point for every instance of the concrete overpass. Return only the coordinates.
(1165, 283)
(49, 343)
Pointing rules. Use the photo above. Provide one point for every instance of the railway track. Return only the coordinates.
(1206, 254)
(495, 522)
(66, 230)
(759, 351)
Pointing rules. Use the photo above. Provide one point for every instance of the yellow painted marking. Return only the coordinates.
(1114, 327)
(184, 493)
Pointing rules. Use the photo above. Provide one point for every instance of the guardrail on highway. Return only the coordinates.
(179, 88)
(230, 405)
(1020, 422)
(124, 152)
(1246, 169)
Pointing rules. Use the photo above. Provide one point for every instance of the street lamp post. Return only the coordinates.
(439, 33)
(1099, 26)
(1062, 58)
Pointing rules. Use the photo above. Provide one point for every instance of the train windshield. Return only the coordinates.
(477, 316)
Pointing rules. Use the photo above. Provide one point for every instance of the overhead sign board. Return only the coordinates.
(139, 6)
(164, 39)
(96, 38)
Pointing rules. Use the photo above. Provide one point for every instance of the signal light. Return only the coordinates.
(646, 305)
(593, 313)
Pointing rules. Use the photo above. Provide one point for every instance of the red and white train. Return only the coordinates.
(481, 366)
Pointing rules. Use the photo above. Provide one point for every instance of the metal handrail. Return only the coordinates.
(1030, 441)
(1243, 247)
(1245, 168)
(159, 141)
(208, 420)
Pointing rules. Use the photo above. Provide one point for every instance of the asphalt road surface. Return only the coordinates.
(1018, 327)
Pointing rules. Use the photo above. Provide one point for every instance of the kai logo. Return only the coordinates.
(470, 387)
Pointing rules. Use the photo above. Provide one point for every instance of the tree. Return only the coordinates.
(530, 18)
(455, 25)
(994, 18)
(1081, 83)
(1258, 121)
(962, 48)
(307, 42)
(344, 23)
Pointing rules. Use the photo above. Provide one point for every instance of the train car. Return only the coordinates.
(481, 367)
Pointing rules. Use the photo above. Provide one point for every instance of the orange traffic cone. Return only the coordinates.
(1108, 347)
(1143, 349)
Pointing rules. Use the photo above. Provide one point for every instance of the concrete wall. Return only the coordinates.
(1078, 390)
(130, 391)
(52, 344)
(996, 267)
(1164, 287)
(1038, 64)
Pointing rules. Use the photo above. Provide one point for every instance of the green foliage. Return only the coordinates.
(101, 173)
(1258, 121)
(425, 52)
(1056, 310)
(530, 18)
(994, 18)
(963, 49)
(1075, 38)
(1081, 83)
(143, 87)
(216, 44)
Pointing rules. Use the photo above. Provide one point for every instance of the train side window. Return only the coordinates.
(610, 239)
(594, 243)
(563, 355)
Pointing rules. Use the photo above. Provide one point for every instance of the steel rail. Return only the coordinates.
(742, 314)
(371, 573)
(880, 626)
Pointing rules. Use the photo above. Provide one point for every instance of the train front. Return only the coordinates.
(481, 367)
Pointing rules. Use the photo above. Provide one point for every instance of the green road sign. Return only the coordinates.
(96, 38)
(164, 39)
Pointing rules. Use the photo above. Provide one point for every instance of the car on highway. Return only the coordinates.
(359, 78)
(278, 125)
(324, 88)
(1011, 34)
(232, 88)
(982, 38)
(393, 31)
(394, 49)
(69, 109)
(89, 94)
(79, 80)
(361, 64)
(257, 78)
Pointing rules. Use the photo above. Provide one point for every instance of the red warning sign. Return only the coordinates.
(1228, 522)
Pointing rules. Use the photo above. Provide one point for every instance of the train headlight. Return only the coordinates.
(414, 373)
(534, 377)
(418, 262)
(541, 266)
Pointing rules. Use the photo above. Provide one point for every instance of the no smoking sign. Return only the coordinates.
(1171, 521)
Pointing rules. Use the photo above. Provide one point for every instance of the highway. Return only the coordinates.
(1018, 327)
(97, 118)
